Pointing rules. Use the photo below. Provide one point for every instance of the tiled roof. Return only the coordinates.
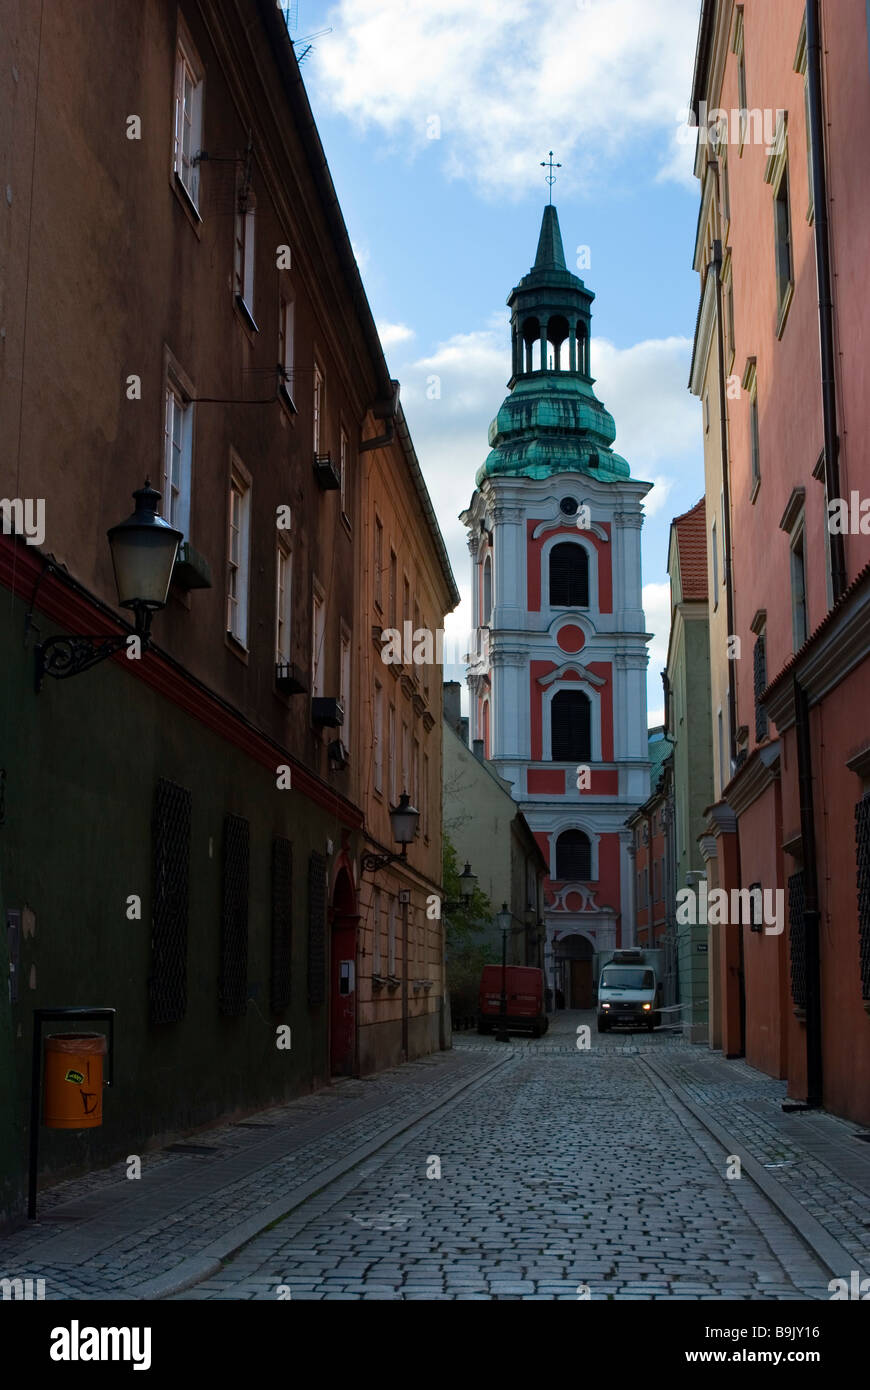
(691, 530)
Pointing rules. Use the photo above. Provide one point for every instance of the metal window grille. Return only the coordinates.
(316, 929)
(282, 913)
(759, 659)
(797, 939)
(170, 839)
(862, 849)
(234, 917)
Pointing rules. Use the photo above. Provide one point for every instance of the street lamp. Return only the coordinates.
(404, 819)
(467, 883)
(143, 551)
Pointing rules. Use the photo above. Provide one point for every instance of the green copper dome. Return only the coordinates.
(551, 422)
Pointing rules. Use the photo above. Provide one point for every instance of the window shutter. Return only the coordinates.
(569, 576)
(570, 718)
(573, 857)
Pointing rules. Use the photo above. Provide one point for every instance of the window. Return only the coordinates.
(406, 600)
(415, 774)
(424, 798)
(782, 232)
(376, 932)
(187, 131)
(391, 749)
(729, 309)
(714, 551)
(569, 576)
(394, 581)
(573, 857)
(283, 569)
(342, 467)
(800, 66)
(378, 738)
(570, 712)
(726, 186)
(798, 587)
(759, 669)
(177, 458)
(391, 939)
(707, 412)
(721, 739)
(286, 316)
(318, 632)
(487, 592)
(484, 726)
(738, 48)
(318, 407)
(243, 265)
(379, 563)
(406, 755)
(344, 687)
(238, 549)
(722, 514)
(750, 384)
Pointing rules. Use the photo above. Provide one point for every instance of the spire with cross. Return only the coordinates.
(551, 177)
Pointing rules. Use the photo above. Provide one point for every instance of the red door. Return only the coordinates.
(343, 996)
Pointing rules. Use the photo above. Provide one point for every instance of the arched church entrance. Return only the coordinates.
(576, 952)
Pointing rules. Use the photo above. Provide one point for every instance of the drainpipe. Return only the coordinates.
(823, 278)
(811, 897)
(716, 266)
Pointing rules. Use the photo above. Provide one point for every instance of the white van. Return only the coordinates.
(628, 993)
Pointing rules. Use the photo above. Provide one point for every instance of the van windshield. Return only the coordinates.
(627, 979)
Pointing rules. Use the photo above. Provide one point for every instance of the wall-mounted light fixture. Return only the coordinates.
(143, 549)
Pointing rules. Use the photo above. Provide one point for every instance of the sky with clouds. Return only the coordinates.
(435, 116)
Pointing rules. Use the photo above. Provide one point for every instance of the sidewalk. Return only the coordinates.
(810, 1165)
(109, 1237)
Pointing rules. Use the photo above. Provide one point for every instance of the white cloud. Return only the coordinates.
(644, 388)
(491, 85)
(391, 334)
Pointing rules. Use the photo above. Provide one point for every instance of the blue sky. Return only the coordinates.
(443, 227)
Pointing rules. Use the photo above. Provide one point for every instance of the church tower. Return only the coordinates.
(557, 676)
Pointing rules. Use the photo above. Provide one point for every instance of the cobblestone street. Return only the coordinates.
(567, 1174)
(564, 1174)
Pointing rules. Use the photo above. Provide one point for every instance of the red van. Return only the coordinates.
(524, 992)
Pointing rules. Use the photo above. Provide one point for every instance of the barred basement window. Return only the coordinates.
(759, 658)
(797, 940)
(862, 847)
(170, 835)
(573, 857)
(316, 930)
(234, 918)
(282, 920)
(569, 576)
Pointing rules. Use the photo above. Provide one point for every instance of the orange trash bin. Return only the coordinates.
(73, 1081)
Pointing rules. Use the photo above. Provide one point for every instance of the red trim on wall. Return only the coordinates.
(545, 781)
(604, 551)
(604, 669)
(536, 709)
(20, 571)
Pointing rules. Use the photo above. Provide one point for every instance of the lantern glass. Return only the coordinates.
(143, 549)
(404, 819)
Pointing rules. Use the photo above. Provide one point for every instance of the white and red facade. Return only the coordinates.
(533, 647)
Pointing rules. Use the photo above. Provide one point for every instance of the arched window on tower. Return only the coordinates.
(484, 727)
(486, 612)
(570, 727)
(573, 857)
(569, 576)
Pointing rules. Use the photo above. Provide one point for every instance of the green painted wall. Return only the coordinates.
(82, 761)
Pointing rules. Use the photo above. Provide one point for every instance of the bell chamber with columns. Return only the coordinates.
(557, 670)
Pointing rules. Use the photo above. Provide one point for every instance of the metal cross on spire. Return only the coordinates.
(551, 177)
